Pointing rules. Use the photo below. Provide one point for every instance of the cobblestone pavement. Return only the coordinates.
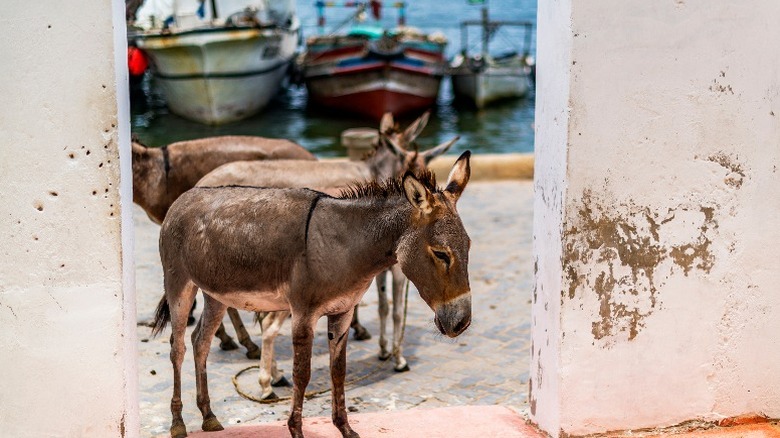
(486, 365)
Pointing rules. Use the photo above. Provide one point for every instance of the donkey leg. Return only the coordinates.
(338, 328)
(179, 298)
(272, 323)
(277, 377)
(381, 288)
(213, 311)
(303, 336)
(226, 343)
(399, 298)
(361, 334)
(252, 350)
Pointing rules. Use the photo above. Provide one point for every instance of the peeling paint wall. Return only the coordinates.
(66, 273)
(552, 124)
(668, 303)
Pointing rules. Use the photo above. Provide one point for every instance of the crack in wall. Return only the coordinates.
(12, 310)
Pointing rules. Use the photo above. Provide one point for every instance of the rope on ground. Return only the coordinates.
(347, 384)
(307, 395)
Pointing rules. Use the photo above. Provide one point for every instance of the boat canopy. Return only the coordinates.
(187, 14)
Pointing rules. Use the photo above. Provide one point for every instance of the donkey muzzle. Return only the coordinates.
(454, 317)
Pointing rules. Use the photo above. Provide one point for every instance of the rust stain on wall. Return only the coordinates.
(615, 250)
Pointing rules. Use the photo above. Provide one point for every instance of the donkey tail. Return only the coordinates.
(161, 317)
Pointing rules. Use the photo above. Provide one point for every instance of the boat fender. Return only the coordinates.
(136, 61)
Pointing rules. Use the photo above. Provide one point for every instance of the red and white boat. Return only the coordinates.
(370, 71)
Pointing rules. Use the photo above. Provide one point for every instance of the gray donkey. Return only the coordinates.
(161, 175)
(263, 249)
(391, 158)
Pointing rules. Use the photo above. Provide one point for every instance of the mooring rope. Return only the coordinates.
(347, 384)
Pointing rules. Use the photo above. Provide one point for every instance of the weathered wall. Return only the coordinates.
(552, 122)
(66, 274)
(664, 255)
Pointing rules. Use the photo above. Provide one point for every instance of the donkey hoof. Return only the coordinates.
(190, 320)
(349, 433)
(228, 345)
(384, 356)
(254, 354)
(282, 382)
(402, 369)
(270, 396)
(211, 424)
(178, 431)
(361, 334)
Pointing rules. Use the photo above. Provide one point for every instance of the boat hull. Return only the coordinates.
(374, 93)
(218, 76)
(373, 77)
(490, 84)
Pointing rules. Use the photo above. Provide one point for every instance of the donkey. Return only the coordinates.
(298, 250)
(391, 158)
(161, 175)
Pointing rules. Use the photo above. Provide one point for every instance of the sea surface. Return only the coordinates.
(502, 128)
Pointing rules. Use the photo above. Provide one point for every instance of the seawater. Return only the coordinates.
(501, 128)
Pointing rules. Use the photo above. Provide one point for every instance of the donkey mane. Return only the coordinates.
(246, 186)
(371, 189)
(390, 187)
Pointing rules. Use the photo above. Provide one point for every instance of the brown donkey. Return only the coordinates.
(161, 175)
(392, 157)
(304, 251)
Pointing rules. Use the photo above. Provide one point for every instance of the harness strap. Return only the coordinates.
(166, 160)
(166, 164)
(308, 220)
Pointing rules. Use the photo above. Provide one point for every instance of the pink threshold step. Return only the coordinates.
(451, 422)
(470, 422)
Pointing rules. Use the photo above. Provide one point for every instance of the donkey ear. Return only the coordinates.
(386, 124)
(394, 146)
(430, 154)
(416, 128)
(417, 194)
(459, 175)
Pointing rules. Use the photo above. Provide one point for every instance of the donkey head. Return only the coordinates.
(435, 254)
(397, 155)
(149, 181)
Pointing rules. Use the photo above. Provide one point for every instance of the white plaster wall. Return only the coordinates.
(669, 309)
(552, 124)
(66, 280)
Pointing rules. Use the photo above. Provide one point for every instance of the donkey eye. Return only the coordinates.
(443, 256)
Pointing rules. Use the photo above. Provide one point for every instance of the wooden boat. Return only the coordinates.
(370, 71)
(483, 78)
(217, 70)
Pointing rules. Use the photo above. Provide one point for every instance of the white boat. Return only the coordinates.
(483, 78)
(218, 61)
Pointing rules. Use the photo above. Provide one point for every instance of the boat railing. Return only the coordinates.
(375, 6)
(489, 29)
